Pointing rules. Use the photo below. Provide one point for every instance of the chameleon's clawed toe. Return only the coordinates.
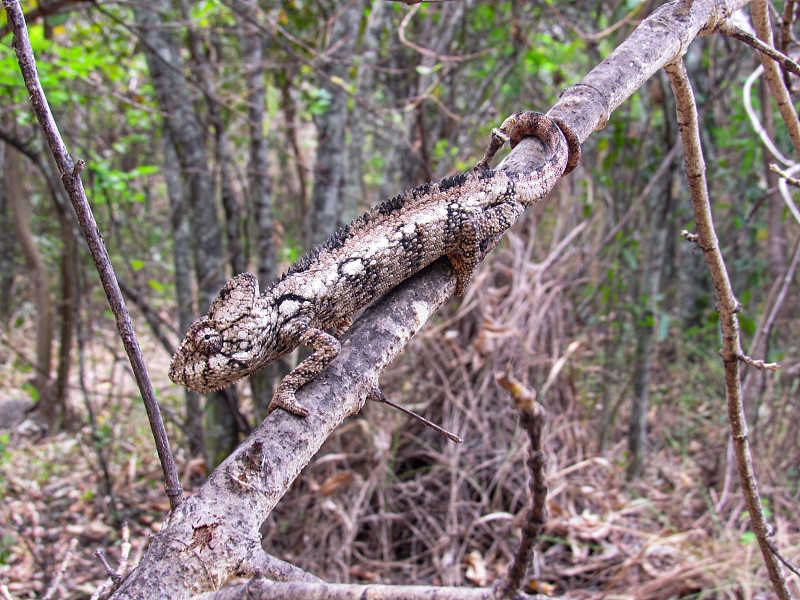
(286, 400)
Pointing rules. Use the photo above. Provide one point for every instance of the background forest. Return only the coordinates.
(234, 135)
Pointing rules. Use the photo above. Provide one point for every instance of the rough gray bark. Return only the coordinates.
(166, 68)
(40, 284)
(259, 182)
(258, 179)
(169, 82)
(325, 215)
(181, 241)
(353, 189)
(202, 74)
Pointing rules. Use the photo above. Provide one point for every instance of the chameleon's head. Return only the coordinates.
(234, 339)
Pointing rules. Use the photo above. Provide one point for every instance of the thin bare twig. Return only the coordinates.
(786, 24)
(532, 418)
(62, 568)
(793, 181)
(70, 177)
(728, 306)
(759, 363)
(446, 58)
(112, 574)
(731, 30)
(782, 558)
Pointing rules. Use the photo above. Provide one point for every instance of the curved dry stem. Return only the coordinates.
(737, 33)
(728, 306)
(532, 418)
(777, 87)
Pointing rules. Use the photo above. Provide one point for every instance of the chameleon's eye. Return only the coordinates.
(207, 340)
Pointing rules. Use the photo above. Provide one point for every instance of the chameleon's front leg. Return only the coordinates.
(326, 347)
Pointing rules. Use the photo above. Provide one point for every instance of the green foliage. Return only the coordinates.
(115, 185)
(748, 538)
(316, 100)
(6, 546)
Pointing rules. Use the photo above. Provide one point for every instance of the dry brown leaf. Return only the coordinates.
(476, 569)
(334, 482)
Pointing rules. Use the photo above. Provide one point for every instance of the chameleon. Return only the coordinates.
(461, 217)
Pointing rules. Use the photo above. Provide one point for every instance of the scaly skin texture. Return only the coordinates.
(460, 217)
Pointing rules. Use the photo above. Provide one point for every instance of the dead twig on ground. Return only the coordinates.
(532, 418)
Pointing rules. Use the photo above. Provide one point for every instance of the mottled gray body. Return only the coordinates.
(460, 217)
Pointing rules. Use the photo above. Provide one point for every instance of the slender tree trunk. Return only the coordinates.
(300, 195)
(68, 310)
(181, 239)
(649, 288)
(776, 237)
(169, 82)
(21, 212)
(7, 249)
(353, 190)
(326, 198)
(258, 182)
(203, 75)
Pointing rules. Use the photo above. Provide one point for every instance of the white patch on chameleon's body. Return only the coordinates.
(377, 247)
(289, 307)
(318, 285)
(438, 215)
(353, 267)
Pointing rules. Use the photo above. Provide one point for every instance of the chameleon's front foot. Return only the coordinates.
(285, 398)
(326, 347)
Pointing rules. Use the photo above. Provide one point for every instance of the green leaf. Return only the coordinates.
(32, 391)
(748, 537)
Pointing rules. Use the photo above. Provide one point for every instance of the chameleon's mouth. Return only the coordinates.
(195, 377)
(201, 373)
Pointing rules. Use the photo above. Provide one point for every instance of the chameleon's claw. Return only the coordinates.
(284, 398)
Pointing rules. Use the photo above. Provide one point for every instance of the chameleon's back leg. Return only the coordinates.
(479, 235)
